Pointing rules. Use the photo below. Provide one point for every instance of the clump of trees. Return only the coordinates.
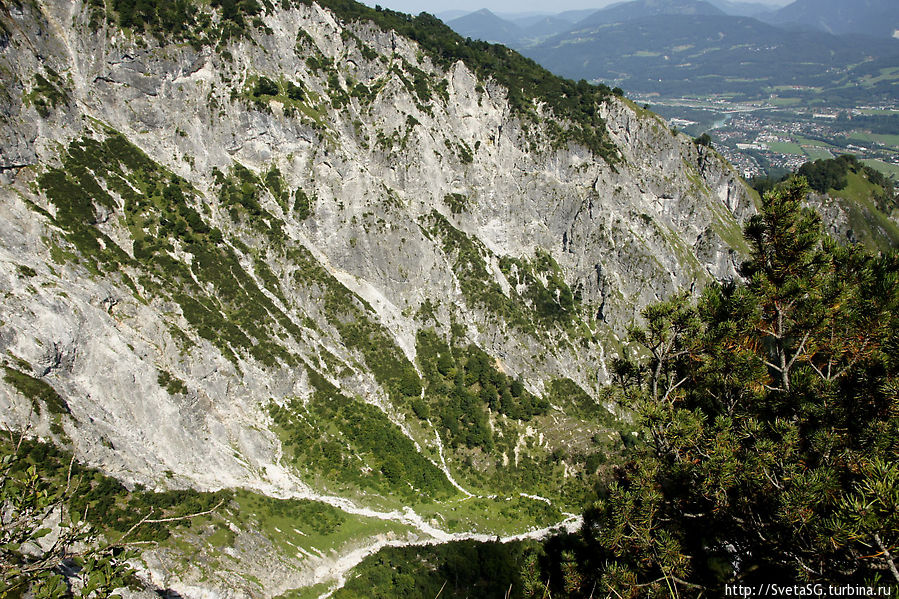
(703, 140)
(30, 557)
(769, 414)
(824, 175)
(461, 383)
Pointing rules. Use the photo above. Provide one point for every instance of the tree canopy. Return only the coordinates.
(770, 414)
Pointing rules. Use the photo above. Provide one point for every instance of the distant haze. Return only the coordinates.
(506, 6)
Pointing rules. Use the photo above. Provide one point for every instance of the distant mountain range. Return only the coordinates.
(708, 54)
(867, 17)
(743, 9)
(639, 9)
(713, 46)
(484, 25)
(877, 18)
(516, 30)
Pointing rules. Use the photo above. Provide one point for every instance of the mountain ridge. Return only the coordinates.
(639, 9)
(485, 25)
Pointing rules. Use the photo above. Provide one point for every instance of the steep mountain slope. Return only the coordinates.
(573, 16)
(294, 252)
(546, 27)
(858, 204)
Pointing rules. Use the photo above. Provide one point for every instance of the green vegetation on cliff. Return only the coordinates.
(111, 179)
(488, 422)
(769, 413)
(529, 85)
(344, 442)
(539, 298)
(456, 570)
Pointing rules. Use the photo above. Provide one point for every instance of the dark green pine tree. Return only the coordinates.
(770, 414)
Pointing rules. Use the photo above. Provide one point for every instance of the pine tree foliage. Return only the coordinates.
(62, 532)
(770, 411)
(45, 550)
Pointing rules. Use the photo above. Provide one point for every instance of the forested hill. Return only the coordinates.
(870, 18)
(858, 204)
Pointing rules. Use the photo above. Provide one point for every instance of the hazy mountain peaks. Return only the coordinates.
(867, 17)
(485, 25)
(647, 8)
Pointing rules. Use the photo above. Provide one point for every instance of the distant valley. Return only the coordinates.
(775, 88)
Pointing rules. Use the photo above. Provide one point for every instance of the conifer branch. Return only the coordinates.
(887, 556)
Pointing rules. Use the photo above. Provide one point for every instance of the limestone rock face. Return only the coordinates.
(182, 256)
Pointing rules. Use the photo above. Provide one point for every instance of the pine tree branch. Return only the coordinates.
(887, 556)
(854, 359)
(799, 350)
(772, 480)
(672, 388)
(670, 577)
(147, 520)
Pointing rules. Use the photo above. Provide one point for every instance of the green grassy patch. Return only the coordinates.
(885, 74)
(729, 230)
(313, 592)
(805, 141)
(295, 524)
(501, 515)
(455, 570)
(786, 101)
(891, 141)
(786, 147)
(887, 168)
(869, 224)
(345, 444)
(817, 152)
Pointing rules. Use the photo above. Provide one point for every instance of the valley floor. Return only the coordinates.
(764, 136)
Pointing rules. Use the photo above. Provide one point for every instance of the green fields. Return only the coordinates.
(878, 138)
(817, 152)
(891, 170)
(783, 147)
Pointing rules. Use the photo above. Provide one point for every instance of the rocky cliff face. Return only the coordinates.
(312, 261)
